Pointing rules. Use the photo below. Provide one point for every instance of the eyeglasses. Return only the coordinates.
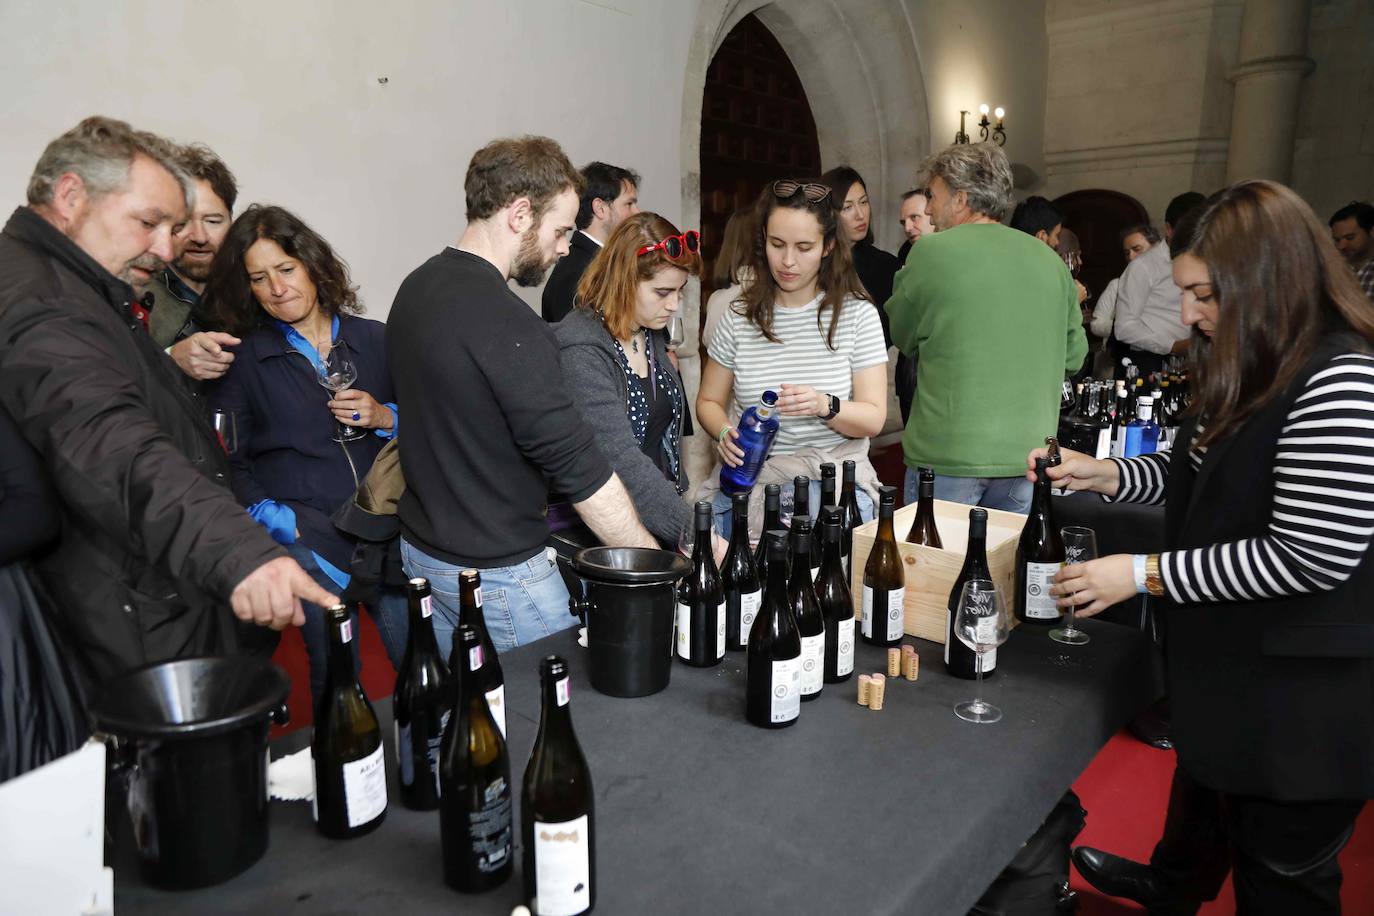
(676, 247)
(787, 188)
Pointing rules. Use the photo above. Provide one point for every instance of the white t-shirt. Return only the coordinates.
(801, 357)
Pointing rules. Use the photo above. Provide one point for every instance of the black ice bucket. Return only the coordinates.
(188, 763)
(629, 610)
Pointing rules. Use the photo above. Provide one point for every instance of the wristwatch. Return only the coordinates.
(834, 408)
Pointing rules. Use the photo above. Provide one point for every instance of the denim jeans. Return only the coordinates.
(724, 517)
(1011, 494)
(520, 603)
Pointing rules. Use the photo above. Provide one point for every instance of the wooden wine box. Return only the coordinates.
(931, 573)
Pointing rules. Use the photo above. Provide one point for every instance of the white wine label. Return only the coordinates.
(812, 664)
(496, 702)
(477, 595)
(436, 753)
(866, 613)
(720, 630)
(1039, 602)
(786, 699)
(815, 572)
(314, 789)
(427, 606)
(684, 630)
(365, 788)
(844, 648)
(346, 631)
(985, 631)
(562, 868)
(989, 660)
(489, 827)
(562, 691)
(405, 754)
(896, 611)
(475, 658)
(1104, 443)
(749, 604)
(949, 632)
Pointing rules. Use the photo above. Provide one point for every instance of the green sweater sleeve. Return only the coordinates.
(1077, 347)
(902, 310)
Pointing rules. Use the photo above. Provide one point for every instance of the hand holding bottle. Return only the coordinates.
(1077, 471)
(731, 455)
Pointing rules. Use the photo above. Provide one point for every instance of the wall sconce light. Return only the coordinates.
(987, 130)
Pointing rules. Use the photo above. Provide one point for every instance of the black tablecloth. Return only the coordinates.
(907, 810)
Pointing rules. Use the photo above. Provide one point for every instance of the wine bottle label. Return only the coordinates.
(346, 631)
(684, 630)
(314, 789)
(985, 631)
(496, 702)
(477, 596)
(785, 703)
(427, 606)
(475, 658)
(844, 647)
(720, 630)
(815, 572)
(1039, 602)
(896, 613)
(562, 691)
(812, 664)
(365, 788)
(989, 661)
(749, 604)
(405, 752)
(890, 615)
(866, 613)
(489, 827)
(1104, 442)
(562, 868)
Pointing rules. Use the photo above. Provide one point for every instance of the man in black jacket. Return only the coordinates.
(154, 549)
(611, 194)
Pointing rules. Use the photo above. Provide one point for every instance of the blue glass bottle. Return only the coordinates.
(758, 427)
(1142, 433)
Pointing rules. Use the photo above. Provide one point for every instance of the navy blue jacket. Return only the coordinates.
(286, 430)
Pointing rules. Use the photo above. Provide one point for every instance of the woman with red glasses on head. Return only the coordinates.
(614, 353)
(802, 328)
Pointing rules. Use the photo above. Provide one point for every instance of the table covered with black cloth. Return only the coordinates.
(906, 810)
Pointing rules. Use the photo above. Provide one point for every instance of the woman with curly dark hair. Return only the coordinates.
(278, 285)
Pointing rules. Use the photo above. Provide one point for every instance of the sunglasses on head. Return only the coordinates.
(787, 189)
(675, 247)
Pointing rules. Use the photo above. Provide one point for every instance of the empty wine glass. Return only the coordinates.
(677, 331)
(226, 430)
(1080, 546)
(337, 373)
(981, 624)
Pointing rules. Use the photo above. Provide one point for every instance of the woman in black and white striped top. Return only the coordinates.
(1268, 574)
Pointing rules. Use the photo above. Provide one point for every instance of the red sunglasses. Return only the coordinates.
(676, 247)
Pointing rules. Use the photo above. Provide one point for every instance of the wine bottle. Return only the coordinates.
(346, 744)
(837, 607)
(1039, 556)
(475, 809)
(758, 427)
(700, 600)
(557, 817)
(849, 502)
(923, 530)
(1104, 423)
(739, 579)
(801, 596)
(420, 704)
(884, 596)
(801, 509)
(959, 658)
(470, 612)
(772, 514)
(772, 694)
(1124, 413)
(828, 489)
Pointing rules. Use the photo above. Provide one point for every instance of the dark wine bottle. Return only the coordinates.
(475, 810)
(739, 579)
(1039, 556)
(923, 530)
(772, 515)
(346, 744)
(701, 601)
(959, 658)
(849, 502)
(837, 607)
(470, 613)
(801, 508)
(420, 704)
(884, 597)
(801, 596)
(557, 820)
(772, 693)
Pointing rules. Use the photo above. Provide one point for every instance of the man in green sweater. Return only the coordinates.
(990, 316)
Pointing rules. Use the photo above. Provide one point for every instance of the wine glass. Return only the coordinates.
(981, 624)
(226, 429)
(336, 372)
(1080, 546)
(677, 331)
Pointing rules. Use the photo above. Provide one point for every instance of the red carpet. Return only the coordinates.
(1125, 789)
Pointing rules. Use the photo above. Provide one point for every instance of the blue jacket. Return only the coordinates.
(286, 431)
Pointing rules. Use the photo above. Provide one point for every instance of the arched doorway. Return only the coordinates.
(1098, 217)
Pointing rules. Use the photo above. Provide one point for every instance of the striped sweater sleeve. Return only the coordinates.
(1322, 516)
(1142, 479)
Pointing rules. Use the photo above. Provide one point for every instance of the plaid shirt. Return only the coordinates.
(1365, 274)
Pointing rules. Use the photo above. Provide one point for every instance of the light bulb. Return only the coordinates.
(983, 109)
(1000, 112)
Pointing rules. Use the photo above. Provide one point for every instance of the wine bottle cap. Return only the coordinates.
(703, 513)
(552, 667)
(925, 474)
(801, 481)
(887, 496)
(977, 523)
(470, 577)
(419, 585)
(740, 502)
(828, 470)
(337, 611)
(772, 494)
(777, 545)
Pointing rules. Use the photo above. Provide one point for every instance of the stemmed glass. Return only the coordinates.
(336, 373)
(677, 331)
(226, 430)
(981, 624)
(1080, 546)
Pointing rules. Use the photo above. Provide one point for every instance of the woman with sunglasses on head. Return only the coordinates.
(875, 267)
(614, 354)
(1267, 578)
(801, 328)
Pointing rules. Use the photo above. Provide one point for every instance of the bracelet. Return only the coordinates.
(1154, 582)
(721, 437)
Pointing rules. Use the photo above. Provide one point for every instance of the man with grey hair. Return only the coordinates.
(990, 316)
(154, 550)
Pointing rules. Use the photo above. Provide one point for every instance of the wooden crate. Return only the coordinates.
(931, 573)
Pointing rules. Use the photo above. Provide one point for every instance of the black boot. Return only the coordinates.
(1118, 877)
(1152, 726)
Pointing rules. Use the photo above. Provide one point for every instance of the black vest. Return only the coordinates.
(1270, 698)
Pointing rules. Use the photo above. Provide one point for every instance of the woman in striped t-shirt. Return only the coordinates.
(803, 328)
(1268, 576)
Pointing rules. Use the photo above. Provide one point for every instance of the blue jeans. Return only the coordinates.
(724, 517)
(520, 603)
(1012, 494)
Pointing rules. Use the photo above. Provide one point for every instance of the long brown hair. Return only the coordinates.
(1280, 285)
(610, 285)
(837, 280)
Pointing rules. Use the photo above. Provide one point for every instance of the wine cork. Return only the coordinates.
(876, 689)
(865, 686)
(894, 662)
(911, 666)
(908, 649)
